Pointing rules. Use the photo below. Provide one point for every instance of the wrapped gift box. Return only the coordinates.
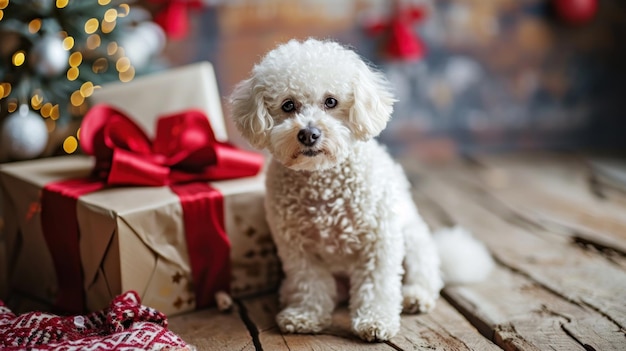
(133, 238)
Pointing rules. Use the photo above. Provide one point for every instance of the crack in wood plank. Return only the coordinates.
(587, 347)
(483, 327)
(247, 321)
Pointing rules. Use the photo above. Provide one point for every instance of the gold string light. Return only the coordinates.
(110, 15)
(86, 89)
(72, 74)
(45, 110)
(36, 101)
(68, 43)
(5, 89)
(94, 28)
(122, 64)
(76, 58)
(12, 105)
(70, 144)
(18, 58)
(93, 41)
(125, 12)
(100, 65)
(112, 48)
(54, 113)
(127, 75)
(3, 5)
(34, 26)
(107, 27)
(91, 26)
(77, 99)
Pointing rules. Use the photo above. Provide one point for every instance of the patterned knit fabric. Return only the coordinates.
(125, 325)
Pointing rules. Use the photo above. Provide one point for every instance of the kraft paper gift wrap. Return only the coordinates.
(132, 238)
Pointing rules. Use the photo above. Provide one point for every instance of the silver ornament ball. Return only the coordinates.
(24, 134)
(48, 57)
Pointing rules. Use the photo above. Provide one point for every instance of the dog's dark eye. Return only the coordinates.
(330, 102)
(288, 106)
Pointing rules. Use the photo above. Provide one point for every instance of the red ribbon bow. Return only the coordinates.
(184, 150)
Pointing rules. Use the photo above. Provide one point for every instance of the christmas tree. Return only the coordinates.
(54, 53)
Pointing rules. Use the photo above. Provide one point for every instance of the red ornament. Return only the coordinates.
(576, 11)
(402, 41)
(173, 16)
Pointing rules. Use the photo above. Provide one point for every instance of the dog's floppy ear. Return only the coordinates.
(250, 113)
(372, 104)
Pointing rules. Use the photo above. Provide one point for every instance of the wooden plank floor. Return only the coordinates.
(556, 226)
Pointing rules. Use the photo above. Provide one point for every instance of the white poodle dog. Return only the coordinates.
(337, 204)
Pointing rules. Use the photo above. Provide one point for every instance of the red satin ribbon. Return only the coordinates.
(184, 155)
(60, 230)
(207, 242)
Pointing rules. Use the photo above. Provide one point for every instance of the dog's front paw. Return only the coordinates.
(416, 299)
(302, 320)
(376, 329)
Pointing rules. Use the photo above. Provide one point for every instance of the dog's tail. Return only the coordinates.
(464, 259)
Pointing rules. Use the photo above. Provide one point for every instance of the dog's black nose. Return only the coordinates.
(308, 136)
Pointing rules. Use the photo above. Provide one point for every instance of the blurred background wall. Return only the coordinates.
(470, 75)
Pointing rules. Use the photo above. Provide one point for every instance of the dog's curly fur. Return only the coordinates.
(337, 204)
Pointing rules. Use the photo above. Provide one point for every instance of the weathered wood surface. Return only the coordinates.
(251, 326)
(213, 331)
(557, 232)
(548, 291)
(442, 329)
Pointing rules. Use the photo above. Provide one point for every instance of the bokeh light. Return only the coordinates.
(76, 58)
(46, 109)
(107, 27)
(122, 64)
(54, 113)
(70, 144)
(112, 48)
(72, 73)
(36, 101)
(86, 89)
(12, 105)
(100, 65)
(93, 41)
(35, 25)
(19, 58)
(6, 89)
(77, 98)
(110, 15)
(127, 75)
(68, 43)
(125, 10)
(91, 26)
